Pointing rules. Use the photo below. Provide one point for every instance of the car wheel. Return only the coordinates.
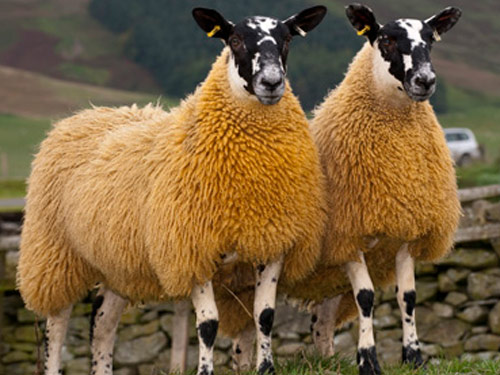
(465, 160)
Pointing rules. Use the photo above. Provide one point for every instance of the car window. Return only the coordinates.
(456, 137)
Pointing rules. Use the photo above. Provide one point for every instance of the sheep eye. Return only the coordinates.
(386, 42)
(235, 43)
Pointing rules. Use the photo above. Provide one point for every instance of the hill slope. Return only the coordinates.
(29, 102)
(60, 39)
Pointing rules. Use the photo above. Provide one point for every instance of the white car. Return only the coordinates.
(463, 146)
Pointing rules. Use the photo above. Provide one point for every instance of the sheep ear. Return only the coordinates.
(213, 23)
(363, 20)
(303, 22)
(444, 20)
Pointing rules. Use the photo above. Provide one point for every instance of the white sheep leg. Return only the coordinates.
(207, 323)
(55, 333)
(265, 301)
(243, 348)
(106, 312)
(364, 295)
(324, 316)
(406, 295)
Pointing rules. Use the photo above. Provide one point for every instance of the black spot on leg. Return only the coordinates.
(365, 300)
(208, 331)
(367, 361)
(95, 307)
(261, 268)
(237, 350)
(273, 280)
(412, 356)
(266, 319)
(407, 320)
(410, 299)
(266, 367)
(204, 371)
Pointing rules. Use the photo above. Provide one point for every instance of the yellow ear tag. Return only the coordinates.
(364, 30)
(214, 30)
(436, 36)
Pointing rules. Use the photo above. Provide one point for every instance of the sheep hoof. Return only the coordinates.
(413, 357)
(367, 361)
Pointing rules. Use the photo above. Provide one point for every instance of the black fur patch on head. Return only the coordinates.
(208, 331)
(367, 361)
(393, 42)
(266, 367)
(412, 356)
(266, 319)
(95, 307)
(365, 299)
(410, 299)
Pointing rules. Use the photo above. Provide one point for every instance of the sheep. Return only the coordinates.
(390, 182)
(390, 176)
(149, 203)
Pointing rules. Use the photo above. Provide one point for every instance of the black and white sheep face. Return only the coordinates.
(257, 66)
(259, 49)
(402, 48)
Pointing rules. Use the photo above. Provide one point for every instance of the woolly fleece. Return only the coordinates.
(147, 201)
(389, 175)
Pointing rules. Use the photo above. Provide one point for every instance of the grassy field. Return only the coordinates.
(12, 188)
(18, 142)
(313, 366)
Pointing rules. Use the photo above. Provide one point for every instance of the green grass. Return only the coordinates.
(313, 365)
(19, 141)
(12, 188)
(479, 175)
(301, 365)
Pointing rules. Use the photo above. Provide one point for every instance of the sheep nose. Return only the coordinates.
(272, 83)
(425, 81)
